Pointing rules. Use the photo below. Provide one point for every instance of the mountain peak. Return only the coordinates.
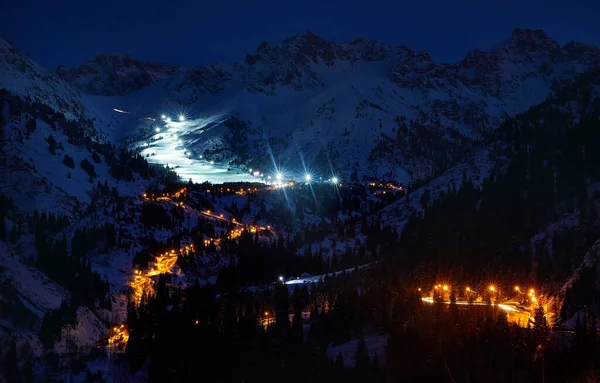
(527, 40)
(304, 35)
(303, 41)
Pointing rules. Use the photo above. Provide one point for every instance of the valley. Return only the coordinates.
(322, 211)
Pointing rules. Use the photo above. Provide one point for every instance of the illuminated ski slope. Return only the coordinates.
(178, 142)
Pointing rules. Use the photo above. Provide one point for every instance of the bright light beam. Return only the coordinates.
(307, 177)
(181, 118)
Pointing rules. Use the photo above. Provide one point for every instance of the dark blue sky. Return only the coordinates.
(194, 32)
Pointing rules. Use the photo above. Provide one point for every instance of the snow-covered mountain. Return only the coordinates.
(384, 111)
(116, 74)
(359, 107)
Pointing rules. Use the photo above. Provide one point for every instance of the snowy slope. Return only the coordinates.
(22, 76)
(39, 179)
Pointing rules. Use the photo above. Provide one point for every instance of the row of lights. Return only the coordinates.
(307, 178)
(491, 288)
(168, 119)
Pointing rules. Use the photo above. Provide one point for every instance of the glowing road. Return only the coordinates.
(515, 314)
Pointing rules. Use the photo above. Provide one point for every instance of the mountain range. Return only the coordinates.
(359, 108)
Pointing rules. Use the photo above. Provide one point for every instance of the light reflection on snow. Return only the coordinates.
(170, 149)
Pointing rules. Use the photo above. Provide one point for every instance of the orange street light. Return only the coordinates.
(492, 288)
(419, 289)
(517, 289)
(468, 289)
(531, 291)
(445, 287)
(197, 321)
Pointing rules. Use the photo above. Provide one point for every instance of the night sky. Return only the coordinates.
(194, 32)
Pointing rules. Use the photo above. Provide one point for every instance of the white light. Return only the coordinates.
(168, 119)
(334, 180)
(212, 162)
(200, 156)
(157, 130)
(179, 141)
(181, 118)
(308, 177)
(268, 177)
(250, 170)
(256, 174)
(281, 278)
(279, 176)
(163, 116)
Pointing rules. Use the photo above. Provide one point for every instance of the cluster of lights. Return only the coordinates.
(119, 336)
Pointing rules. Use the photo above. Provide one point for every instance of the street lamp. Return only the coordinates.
(334, 180)
(445, 287)
(492, 289)
(280, 278)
